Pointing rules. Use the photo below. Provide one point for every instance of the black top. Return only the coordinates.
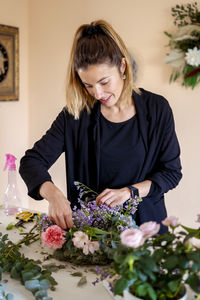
(80, 141)
(122, 153)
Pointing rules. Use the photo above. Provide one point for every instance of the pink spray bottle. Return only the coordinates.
(12, 203)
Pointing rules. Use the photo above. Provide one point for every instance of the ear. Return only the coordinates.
(123, 65)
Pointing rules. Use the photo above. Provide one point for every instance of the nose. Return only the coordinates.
(98, 92)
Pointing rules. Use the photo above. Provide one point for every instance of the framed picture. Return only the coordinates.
(9, 63)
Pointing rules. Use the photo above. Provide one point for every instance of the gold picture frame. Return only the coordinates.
(9, 63)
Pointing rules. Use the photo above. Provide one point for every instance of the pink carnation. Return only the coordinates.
(170, 221)
(149, 229)
(53, 237)
(132, 238)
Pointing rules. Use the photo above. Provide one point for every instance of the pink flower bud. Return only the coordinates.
(171, 221)
(132, 238)
(149, 229)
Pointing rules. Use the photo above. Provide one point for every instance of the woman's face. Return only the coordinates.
(104, 82)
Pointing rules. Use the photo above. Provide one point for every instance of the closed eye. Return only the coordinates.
(104, 83)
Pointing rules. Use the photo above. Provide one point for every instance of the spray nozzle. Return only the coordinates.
(10, 162)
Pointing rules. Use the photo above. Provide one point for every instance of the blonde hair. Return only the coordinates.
(95, 43)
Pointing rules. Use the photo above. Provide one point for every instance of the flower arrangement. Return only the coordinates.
(96, 228)
(152, 266)
(184, 45)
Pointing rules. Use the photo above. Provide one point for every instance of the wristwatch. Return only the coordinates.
(134, 191)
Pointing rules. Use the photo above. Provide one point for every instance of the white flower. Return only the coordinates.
(192, 57)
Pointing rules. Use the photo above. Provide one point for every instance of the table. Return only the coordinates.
(67, 284)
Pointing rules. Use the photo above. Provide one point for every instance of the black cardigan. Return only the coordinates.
(80, 140)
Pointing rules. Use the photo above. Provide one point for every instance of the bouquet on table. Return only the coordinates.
(97, 227)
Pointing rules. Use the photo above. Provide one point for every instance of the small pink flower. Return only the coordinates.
(132, 238)
(53, 237)
(93, 246)
(170, 221)
(80, 239)
(149, 229)
(198, 218)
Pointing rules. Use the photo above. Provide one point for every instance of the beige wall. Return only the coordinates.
(52, 24)
(14, 114)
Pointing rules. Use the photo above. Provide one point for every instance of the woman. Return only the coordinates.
(118, 140)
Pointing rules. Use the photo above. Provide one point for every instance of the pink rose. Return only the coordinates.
(53, 237)
(132, 238)
(80, 239)
(170, 221)
(149, 229)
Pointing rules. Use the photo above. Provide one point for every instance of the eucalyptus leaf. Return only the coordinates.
(82, 281)
(32, 285)
(77, 274)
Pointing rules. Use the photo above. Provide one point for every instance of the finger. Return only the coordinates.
(69, 222)
(106, 197)
(100, 196)
(60, 221)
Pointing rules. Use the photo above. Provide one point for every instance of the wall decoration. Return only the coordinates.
(9, 63)
(184, 45)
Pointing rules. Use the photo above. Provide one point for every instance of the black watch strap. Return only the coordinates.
(134, 191)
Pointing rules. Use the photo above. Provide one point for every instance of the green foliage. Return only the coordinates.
(31, 275)
(158, 268)
(3, 295)
(186, 14)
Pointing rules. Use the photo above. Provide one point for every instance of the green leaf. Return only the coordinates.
(82, 281)
(120, 285)
(152, 293)
(40, 294)
(142, 290)
(27, 276)
(32, 285)
(77, 274)
(14, 273)
(171, 262)
(9, 296)
(173, 285)
(193, 282)
(5, 237)
(1, 270)
(45, 284)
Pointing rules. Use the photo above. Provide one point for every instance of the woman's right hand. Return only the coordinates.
(59, 207)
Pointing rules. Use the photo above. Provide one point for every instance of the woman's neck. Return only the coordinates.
(119, 113)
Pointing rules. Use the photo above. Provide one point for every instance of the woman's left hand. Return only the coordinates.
(113, 197)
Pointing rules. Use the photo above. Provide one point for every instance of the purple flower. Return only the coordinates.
(45, 222)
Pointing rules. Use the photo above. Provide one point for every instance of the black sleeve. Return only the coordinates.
(167, 173)
(35, 163)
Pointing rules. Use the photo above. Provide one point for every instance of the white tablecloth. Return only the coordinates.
(67, 284)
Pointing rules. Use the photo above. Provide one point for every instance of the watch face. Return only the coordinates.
(3, 63)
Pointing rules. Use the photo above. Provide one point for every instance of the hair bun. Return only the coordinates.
(91, 30)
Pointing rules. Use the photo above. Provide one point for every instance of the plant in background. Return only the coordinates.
(152, 266)
(184, 44)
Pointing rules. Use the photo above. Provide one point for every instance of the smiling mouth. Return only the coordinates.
(105, 100)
